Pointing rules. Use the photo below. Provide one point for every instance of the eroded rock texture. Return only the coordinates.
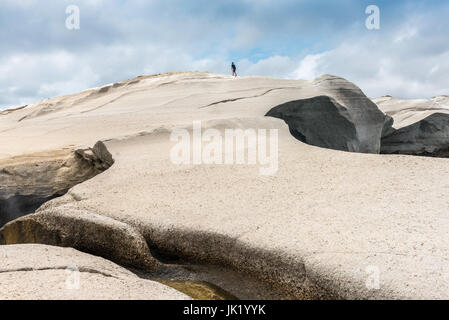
(316, 228)
(40, 272)
(29, 181)
(319, 121)
(341, 119)
(421, 127)
(427, 137)
(368, 120)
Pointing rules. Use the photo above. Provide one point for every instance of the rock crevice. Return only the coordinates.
(29, 181)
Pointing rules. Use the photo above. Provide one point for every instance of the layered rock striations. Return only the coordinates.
(29, 181)
(421, 127)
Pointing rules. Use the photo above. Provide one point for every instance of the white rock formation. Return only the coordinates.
(326, 224)
(409, 111)
(422, 126)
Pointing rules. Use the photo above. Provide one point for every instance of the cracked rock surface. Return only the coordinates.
(40, 272)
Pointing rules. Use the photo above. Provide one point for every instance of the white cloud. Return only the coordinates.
(58, 72)
(309, 67)
(27, 78)
(119, 40)
(275, 66)
(410, 63)
(406, 34)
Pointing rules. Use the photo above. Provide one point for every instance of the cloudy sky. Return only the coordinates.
(295, 39)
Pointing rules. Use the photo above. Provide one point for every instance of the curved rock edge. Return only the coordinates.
(130, 243)
(123, 244)
(84, 231)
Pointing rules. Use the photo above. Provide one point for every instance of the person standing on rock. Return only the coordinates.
(234, 69)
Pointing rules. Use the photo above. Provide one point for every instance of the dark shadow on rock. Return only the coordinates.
(26, 185)
(428, 137)
(319, 121)
(18, 206)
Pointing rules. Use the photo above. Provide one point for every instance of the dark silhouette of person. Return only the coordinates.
(234, 69)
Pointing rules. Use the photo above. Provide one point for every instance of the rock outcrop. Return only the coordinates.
(85, 231)
(343, 119)
(39, 272)
(326, 224)
(368, 120)
(421, 127)
(427, 137)
(28, 181)
(319, 121)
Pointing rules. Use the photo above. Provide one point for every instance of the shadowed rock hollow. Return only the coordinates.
(320, 122)
(343, 118)
(29, 181)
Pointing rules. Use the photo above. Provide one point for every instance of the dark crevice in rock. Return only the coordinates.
(30, 181)
(18, 206)
(164, 256)
(192, 249)
(80, 269)
(388, 126)
(247, 97)
(82, 230)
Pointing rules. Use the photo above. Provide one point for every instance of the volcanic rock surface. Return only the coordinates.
(39, 272)
(421, 126)
(319, 121)
(326, 224)
(29, 181)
